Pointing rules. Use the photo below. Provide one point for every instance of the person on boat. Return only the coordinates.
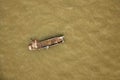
(34, 45)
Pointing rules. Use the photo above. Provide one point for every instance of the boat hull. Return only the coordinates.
(36, 45)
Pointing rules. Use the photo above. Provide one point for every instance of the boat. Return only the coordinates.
(37, 45)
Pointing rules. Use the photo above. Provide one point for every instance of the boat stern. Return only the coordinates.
(62, 38)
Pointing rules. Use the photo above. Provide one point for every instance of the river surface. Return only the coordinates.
(91, 50)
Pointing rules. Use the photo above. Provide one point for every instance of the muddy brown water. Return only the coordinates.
(92, 39)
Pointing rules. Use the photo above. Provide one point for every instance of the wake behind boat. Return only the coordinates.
(36, 45)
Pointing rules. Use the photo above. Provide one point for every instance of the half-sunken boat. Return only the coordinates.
(36, 45)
